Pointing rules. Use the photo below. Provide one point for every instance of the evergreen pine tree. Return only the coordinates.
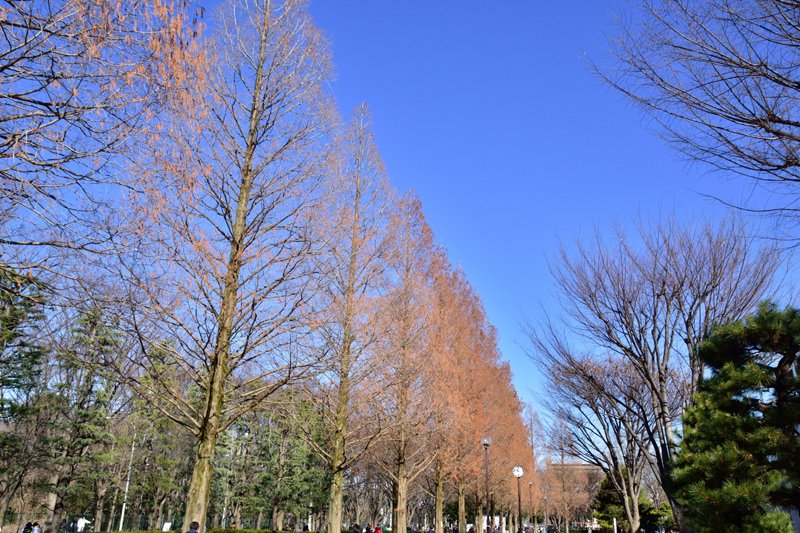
(738, 463)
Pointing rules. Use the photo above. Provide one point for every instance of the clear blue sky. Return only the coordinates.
(491, 113)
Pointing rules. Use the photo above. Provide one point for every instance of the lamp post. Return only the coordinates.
(127, 482)
(546, 518)
(518, 473)
(486, 443)
(530, 506)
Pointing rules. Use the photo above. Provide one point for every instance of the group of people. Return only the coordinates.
(32, 528)
(355, 528)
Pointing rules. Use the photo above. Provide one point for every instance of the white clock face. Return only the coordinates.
(517, 471)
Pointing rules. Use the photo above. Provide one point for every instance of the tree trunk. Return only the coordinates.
(335, 504)
(277, 519)
(462, 510)
(259, 517)
(152, 516)
(237, 516)
(677, 514)
(401, 503)
(345, 363)
(55, 514)
(113, 511)
(200, 485)
(98, 512)
(438, 519)
(160, 516)
(52, 500)
(136, 514)
(156, 512)
(636, 522)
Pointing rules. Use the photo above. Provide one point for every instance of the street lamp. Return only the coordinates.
(518, 473)
(546, 518)
(530, 506)
(486, 443)
(127, 482)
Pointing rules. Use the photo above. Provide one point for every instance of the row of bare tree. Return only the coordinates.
(197, 187)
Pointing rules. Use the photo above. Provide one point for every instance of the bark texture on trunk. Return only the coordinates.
(335, 502)
(98, 512)
(113, 511)
(55, 514)
(279, 521)
(439, 506)
(52, 500)
(401, 501)
(200, 485)
(336, 494)
(462, 510)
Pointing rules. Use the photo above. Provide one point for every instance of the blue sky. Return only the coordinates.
(491, 113)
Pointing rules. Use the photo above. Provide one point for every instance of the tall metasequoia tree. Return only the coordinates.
(721, 78)
(653, 304)
(470, 396)
(465, 392)
(406, 363)
(448, 327)
(509, 446)
(80, 84)
(354, 229)
(455, 320)
(220, 274)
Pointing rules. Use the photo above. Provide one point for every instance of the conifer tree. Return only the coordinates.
(739, 458)
(21, 358)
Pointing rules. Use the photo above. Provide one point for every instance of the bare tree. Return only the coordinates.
(605, 407)
(354, 228)
(653, 303)
(570, 485)
(219, 268)
(80, 83)
(722, 79)
(403, 453)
